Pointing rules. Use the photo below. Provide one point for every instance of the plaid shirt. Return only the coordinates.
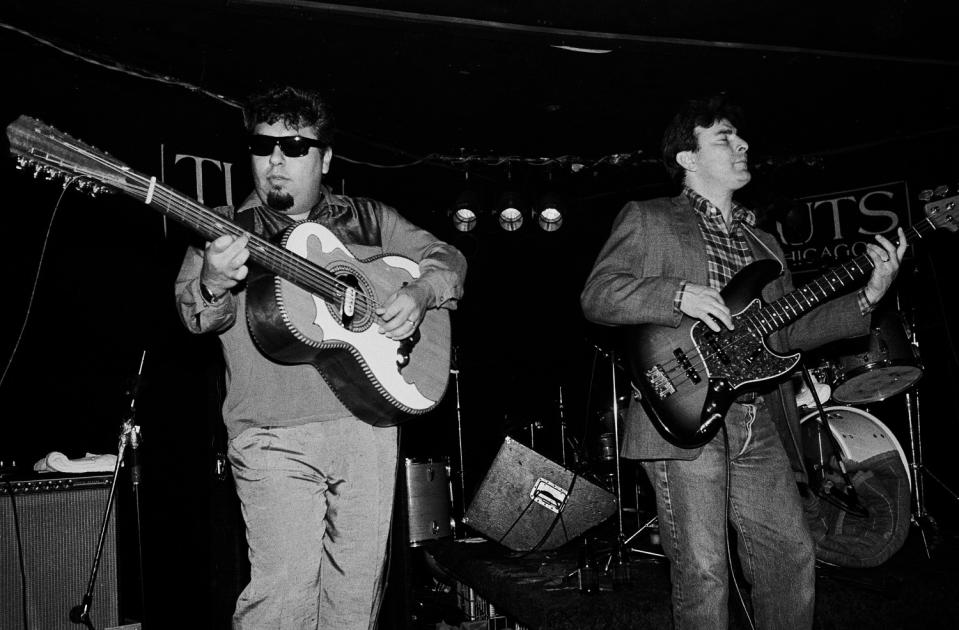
(727, 251)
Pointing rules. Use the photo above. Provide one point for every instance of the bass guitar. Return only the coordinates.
(689, 376)
(310, 299)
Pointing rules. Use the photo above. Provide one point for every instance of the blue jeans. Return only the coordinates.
(317, 500)
(773, 541)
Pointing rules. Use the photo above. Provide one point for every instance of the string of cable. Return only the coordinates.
(116, 67)
(575, 163)
(36, 281)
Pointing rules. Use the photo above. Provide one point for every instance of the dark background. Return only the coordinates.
(430, 96)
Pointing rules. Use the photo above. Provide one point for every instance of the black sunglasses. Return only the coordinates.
(291, 146)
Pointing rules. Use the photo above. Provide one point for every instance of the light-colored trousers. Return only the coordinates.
(317, 500)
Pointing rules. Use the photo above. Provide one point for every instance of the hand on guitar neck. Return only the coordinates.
(224, 264)
(707, 305)
(885, 265)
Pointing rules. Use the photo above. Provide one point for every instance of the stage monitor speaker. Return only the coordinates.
(59, 521)
(527, 501)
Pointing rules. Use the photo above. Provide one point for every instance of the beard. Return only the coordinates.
(279, 201)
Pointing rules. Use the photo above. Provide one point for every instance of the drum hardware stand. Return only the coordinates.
(920, 517)
(562, 427)
(847, 499)
(455, 371)
(129, 436)
(618, 561)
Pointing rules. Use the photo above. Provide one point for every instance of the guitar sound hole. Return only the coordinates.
(364, 307)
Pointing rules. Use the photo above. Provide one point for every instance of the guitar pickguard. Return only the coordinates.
(739, 356)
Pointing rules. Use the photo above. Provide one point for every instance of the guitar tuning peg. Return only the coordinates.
(941, 191)
(925, 195)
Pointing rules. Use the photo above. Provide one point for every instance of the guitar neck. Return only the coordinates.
(793, 305)
(53, 153)
(211, 226)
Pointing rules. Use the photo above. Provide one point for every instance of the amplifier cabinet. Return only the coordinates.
(528, 502)
(429, 495)
(59, 521)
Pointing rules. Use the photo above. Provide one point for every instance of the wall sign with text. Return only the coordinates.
(822, 231)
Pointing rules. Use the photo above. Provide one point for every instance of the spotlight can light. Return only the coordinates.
(550, 219)
(464, 219)
(510, 219)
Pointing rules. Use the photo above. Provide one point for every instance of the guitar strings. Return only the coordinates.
(191, 211)
(766, 316)
(756, 324)
(308, 272)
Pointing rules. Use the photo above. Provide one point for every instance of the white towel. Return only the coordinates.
(58, 462)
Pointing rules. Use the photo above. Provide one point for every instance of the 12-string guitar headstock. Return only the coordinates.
(58, 157)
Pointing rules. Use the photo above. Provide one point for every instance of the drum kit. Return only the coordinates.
(867, 370)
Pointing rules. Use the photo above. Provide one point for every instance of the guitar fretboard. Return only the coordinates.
(793, 305)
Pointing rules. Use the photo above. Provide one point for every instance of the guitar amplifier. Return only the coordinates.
(52, 524)
(527, 501)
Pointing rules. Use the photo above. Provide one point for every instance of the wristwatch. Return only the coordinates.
(208, 297)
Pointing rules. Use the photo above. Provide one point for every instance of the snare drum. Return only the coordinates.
(860, 435)
(429, 499)
(878, 366)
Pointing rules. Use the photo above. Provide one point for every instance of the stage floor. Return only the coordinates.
(539, 590)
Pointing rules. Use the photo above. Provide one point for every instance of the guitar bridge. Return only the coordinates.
(662, 387)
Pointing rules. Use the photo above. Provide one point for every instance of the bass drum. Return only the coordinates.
(860, 435)
(878, 366)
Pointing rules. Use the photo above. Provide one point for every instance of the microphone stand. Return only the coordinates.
(846, 500)
(455, 371)
(129, 436)
(921, 518)
(562, 427)
(618, 562)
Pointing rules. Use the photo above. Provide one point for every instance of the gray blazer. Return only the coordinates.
(653, 247)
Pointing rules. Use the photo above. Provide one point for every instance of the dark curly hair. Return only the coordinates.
(680, 133)
(295, 107)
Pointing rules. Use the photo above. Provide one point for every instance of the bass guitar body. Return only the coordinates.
(689, 375)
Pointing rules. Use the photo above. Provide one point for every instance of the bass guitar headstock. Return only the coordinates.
(941, 209)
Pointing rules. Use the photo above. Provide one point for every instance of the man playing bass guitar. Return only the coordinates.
(664, 264)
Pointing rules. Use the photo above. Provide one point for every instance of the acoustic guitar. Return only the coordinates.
(310, 299)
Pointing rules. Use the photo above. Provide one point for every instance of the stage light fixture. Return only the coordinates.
(549, 212)
(464, 219)
(465, 213)
(510, 215)
(550, 219)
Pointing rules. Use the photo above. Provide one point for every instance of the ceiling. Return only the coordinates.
(447, 78)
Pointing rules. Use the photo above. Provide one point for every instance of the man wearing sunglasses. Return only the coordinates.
(315, 483)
